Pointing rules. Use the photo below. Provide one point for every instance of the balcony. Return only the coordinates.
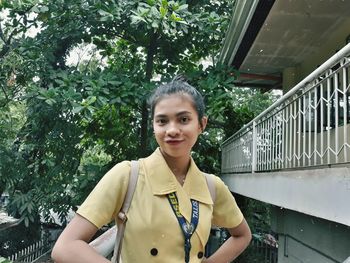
(307, 127)
(295, 155)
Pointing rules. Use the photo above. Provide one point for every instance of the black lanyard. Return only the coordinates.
(187, 228)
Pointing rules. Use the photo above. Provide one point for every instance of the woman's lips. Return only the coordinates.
(173, 142)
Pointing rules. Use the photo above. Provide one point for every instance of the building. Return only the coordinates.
(296, 154)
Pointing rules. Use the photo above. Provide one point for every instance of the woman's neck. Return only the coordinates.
(179, 166)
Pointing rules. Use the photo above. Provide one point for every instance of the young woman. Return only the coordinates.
(170, 188)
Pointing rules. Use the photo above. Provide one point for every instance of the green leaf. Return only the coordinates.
(77, 109)
(163, 11)
(91, 100)
(44, 9)
(26, 221)
(116, 100)
(175, 18)
(51, 102)
(137, 19)
(5, 260)
(105, 16)
(183, 7)
(155, 24)
(165, 3)
(114, 82)
(151, 2)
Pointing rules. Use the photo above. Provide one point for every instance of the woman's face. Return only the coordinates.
(176, 125)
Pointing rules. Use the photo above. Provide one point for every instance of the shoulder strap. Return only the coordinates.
(134, 174)
(211, 185)
(122, 215)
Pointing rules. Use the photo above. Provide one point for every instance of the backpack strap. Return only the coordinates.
(211, 186)
(122, 215)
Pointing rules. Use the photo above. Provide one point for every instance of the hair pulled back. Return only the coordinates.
(178, 86)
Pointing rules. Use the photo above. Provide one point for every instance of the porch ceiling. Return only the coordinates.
(292, 30)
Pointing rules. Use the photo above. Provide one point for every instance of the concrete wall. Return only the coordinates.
(303, 238)
(311, 210)
(323, 193)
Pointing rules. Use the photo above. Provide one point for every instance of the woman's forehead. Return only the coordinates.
(175, 103)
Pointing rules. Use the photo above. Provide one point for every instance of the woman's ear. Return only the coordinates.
(203, 123)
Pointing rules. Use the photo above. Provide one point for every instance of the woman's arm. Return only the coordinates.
(234, 246)
(72, 244)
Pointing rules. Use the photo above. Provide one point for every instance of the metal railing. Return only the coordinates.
(32, 252)
(308, 126)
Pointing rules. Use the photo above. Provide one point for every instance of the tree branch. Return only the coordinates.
(6, 96)
(2, 36)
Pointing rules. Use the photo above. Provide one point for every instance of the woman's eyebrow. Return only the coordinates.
(183, 113)
(161, 115)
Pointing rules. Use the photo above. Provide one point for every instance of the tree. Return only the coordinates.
(81, 118)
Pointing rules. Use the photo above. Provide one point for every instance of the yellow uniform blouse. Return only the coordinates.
(152, 232)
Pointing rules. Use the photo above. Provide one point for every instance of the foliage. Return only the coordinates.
(64, 124)
(15, 239)
(228, 108)
(4, 260)
(258, 216)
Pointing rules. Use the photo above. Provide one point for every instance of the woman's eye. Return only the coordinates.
(185, 119)
(161, 121)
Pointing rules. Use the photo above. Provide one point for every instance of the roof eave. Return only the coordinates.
(247, 19)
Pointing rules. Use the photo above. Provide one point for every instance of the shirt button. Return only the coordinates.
(200, 254)
(154, 252)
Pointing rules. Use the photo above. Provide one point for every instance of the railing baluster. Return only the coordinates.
(329, 118)
(304, 130)
(299, 131)
(263, 134)
(345, 110)
(283, 138)
(270, 143)
(294, 136)
(336, 106)
(275, 142)
(309, 128)
(315, 124)
(321, 123)
(290, 135)
(258, 145)
(254, 150)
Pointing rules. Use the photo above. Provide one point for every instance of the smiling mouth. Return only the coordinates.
(173, 142)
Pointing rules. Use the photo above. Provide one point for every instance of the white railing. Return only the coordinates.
(32, 252)
(308, 126)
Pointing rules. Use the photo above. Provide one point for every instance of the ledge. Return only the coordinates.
(323, 193)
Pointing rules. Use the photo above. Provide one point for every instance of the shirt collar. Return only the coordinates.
(163, 181)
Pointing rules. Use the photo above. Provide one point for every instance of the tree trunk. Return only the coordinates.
(152, 48)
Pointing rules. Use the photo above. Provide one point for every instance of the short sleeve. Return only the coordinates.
(106, 199)
(226, 212)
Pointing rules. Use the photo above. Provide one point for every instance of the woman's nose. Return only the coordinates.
(173, 130)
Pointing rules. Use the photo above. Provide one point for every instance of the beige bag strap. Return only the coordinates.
(211, 186)
(122, 215)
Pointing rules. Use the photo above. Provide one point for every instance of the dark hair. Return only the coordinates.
(178, 86)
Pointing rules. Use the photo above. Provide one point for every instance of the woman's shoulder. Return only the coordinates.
(215, 182)
(123, 166)
(214, 178)
(119, 172)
